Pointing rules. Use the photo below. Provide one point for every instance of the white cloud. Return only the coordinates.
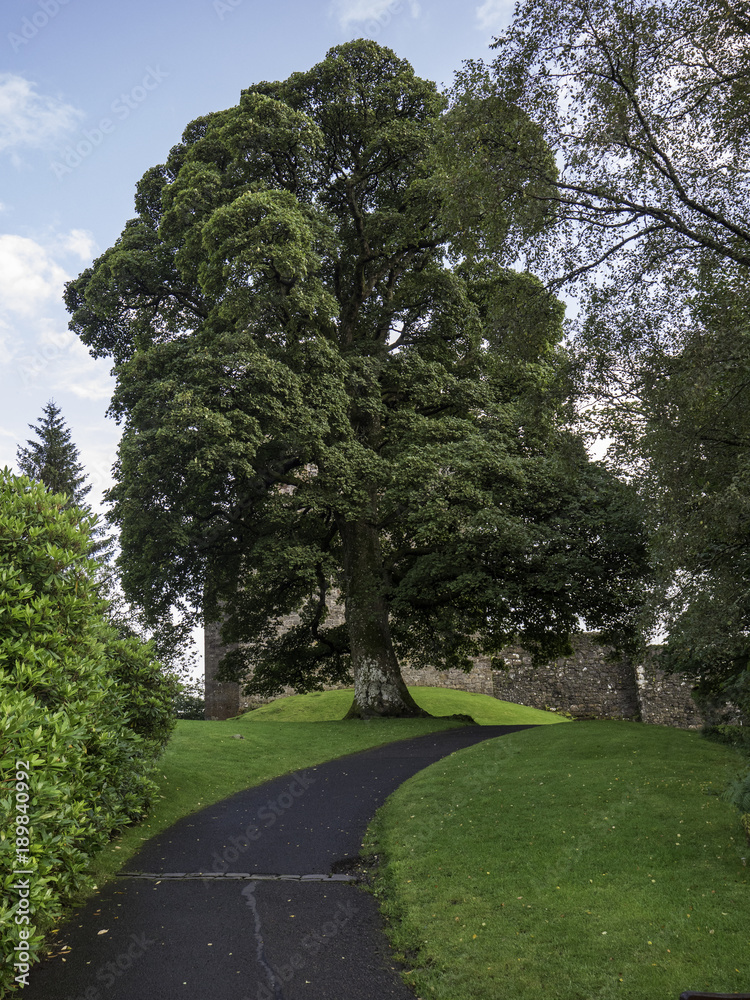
(495, 14)
(35, 343)
(84, 376)
(80, 242)
(7, 337)
(52, 334)
(40, 359)
(31, 119)
(29, 275)
(351, 12)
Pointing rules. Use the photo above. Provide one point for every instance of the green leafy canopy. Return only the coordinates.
(332, 383)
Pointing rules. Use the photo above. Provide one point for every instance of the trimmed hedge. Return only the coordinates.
(84, 711)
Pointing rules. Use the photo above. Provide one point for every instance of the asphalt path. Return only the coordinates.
(252, 898)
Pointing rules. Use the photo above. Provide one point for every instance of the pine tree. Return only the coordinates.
(53, 458)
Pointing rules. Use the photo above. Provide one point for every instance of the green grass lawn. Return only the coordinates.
(327, 706)
(593, 860)
(203, 763)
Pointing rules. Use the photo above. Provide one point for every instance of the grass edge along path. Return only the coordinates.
(595, 860)
(204, 763)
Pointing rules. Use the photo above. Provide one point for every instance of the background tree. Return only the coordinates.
(316, 401)
(647, 106)
(676, 404)
(52, 458)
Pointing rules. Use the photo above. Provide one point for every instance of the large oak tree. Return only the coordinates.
(332, 385)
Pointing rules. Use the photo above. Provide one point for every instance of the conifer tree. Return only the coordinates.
(52, 459)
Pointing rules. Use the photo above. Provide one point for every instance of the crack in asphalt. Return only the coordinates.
(260, 949)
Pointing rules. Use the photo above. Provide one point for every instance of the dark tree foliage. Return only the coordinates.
(332, 385)
(677, 407)
(53, 460)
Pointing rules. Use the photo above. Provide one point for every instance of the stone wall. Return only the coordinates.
(665, 699)
(587, 684)
(478, 680)
(224, 699)
(583, 685)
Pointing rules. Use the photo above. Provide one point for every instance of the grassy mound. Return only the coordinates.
(327, 706)
(592, 860)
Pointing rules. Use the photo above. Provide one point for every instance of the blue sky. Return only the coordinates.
(92, 94)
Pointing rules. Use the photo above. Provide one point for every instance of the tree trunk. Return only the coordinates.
(379, 688)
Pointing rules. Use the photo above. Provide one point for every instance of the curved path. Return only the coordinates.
(250, 899)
